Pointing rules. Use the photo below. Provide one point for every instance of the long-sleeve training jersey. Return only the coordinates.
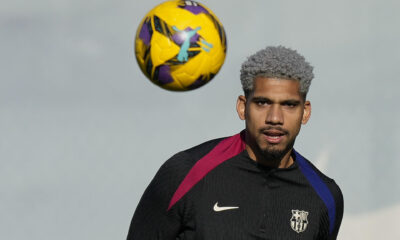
(214, 191)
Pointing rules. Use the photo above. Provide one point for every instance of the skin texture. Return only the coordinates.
(274, 112)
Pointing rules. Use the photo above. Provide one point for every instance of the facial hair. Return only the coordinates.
(276, 155)
(271, 155)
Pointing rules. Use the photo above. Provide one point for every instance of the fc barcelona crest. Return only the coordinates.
(299, 221)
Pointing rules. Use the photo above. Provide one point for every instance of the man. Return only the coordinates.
(252, 185)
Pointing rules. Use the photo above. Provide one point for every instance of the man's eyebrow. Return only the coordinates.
(286, 101)
(291, 101)
(255, 99)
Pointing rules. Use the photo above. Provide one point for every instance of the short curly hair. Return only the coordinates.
(277, 62)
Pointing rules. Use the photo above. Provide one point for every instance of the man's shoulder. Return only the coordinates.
(186, 159)
(322, 175)
(174, 170)
(330, 182)
(202, 149)
(335, 207)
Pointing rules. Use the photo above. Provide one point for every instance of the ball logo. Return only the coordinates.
(299, 221)
(189, 38)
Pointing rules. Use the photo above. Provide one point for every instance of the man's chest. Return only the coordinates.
(247, 206)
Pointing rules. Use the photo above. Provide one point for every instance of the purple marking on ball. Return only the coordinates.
(164, 74)
(179, 37)
(198, 83)
(195, 38)
(196, 9)
(145, 34)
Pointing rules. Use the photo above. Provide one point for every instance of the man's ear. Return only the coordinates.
(306, 113)
(241, 107)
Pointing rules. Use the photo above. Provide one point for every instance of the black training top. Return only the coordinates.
(215, 191)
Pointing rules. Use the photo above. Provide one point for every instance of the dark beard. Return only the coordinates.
(274, 156)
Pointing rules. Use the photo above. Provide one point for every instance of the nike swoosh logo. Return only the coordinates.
(219, 209)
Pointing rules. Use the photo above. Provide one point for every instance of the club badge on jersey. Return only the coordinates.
(299, 221)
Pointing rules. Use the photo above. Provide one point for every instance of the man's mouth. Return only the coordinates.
(274, 136)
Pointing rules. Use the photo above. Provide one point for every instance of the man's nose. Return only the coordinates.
(274, 115)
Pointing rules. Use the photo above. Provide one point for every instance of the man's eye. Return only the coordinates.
(261, 103)
(291, 105)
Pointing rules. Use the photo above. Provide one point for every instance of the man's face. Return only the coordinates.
(274, 112)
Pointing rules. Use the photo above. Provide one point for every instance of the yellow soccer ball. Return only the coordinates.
(180, 45)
